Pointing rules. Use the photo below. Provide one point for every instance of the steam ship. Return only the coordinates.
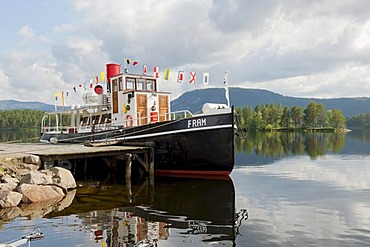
(132, 109)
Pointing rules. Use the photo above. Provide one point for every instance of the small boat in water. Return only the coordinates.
(132, 109)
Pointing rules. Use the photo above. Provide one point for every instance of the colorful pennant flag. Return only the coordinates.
(145, 69)
(96, 79)
(128, 61)
(205, 78)
(63, 100)
(193, 76)
(166, 74)
(180, 77)
(56, 96)
(156, 71)
(102, 76)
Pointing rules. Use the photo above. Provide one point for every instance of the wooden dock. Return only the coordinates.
(50, 153)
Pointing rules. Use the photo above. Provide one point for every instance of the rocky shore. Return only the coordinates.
(25, 190)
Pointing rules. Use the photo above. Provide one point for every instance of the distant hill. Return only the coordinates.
(18, 105)
(194, 100)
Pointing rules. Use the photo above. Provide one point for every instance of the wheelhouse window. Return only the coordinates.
(120, 83)
(140, 84)
(115, 86)
(130, 83)
(150, 85)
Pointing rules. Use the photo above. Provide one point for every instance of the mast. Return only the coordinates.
(226, 85)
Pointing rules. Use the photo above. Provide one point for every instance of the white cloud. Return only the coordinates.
(26, 33)
(306, 49)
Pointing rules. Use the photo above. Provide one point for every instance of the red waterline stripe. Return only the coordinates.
(202, 174)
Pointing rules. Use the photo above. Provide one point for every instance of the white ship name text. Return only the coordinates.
(197, 123)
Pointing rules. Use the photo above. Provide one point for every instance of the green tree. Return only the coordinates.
(265, 116)
(361, 120)
(276, 115)
(311, 117)
(337, 120)
(286, 119)
(297, 116)
(248, 117)
(321, 115)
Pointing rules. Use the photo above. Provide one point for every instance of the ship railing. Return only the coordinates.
(52, 122)
(59, 129)
(180, 114)
(148, 119)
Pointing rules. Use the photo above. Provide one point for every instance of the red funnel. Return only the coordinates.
(112, 70)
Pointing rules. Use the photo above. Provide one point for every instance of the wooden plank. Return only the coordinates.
(50, 152)
(53, 152)
(101, 143)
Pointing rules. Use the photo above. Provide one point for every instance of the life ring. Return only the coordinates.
(129, 121)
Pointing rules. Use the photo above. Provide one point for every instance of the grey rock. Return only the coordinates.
(32, 159)
(9, 199)
(38, 193)
(36, 177)
(63, 178)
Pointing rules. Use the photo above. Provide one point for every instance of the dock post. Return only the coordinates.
(128, 176)
(128, 167)
(151, 166)
(85, 168)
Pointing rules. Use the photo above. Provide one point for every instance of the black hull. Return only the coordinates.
(202, 145)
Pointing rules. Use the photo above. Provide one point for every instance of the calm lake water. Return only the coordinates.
(286, 190)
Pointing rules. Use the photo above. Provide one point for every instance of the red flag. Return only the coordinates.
(134, 63)
(91, 85)
(156, 71)
(180, 77)
(193, 76)
(145, 69)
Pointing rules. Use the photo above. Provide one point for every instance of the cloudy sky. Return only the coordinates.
(297, 48)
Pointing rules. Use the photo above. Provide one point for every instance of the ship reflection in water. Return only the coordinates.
(176, 210)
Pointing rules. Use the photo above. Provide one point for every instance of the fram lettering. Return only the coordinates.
(197, 123)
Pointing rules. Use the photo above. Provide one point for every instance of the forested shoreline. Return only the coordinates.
(265, 117)
(20, 119)
(270, 117)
